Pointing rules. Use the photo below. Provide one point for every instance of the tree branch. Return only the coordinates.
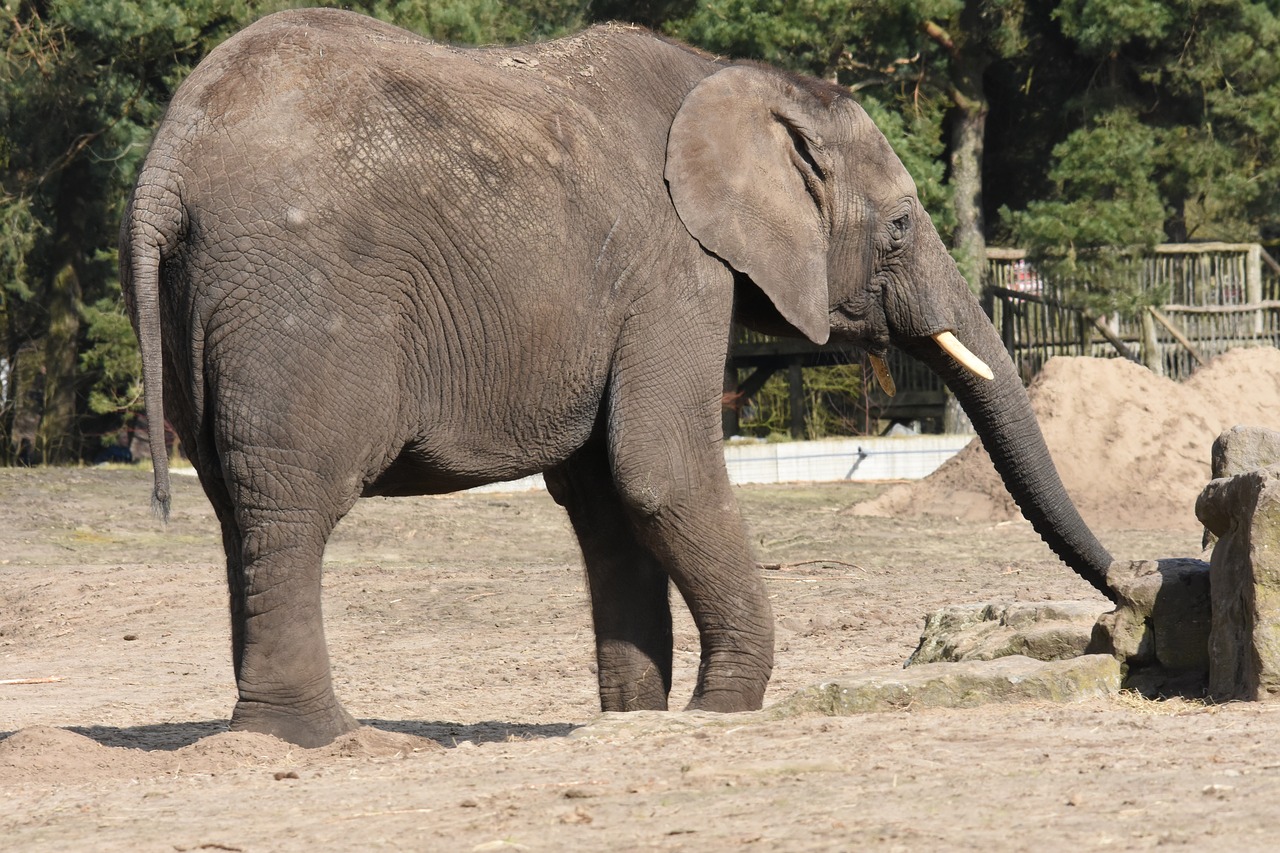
(941, 37)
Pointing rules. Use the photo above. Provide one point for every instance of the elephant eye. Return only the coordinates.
(898, 227)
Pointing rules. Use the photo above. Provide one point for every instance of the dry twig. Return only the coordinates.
(786, 567)
(50, 680)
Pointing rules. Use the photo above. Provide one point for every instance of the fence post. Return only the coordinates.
(1253, 285)
(795, 389)
(1152, 357)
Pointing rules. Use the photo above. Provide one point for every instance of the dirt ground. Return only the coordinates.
(460, 636)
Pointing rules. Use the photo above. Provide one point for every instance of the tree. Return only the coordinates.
(83, 84)
(1175, 134)
(1195, 85)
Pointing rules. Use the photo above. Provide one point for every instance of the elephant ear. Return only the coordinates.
(742, 168)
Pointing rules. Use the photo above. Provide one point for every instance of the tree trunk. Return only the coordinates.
(56, 438)
(967, 135)
(26, 381)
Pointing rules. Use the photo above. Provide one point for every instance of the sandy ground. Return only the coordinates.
(461, 637)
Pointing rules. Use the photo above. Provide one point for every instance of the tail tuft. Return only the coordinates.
(160, 501)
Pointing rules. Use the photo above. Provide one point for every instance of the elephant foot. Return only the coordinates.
(728, 695)
(633, 700)
(306, 729)
(724, 703)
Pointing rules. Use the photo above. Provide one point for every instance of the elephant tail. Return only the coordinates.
(151, 226)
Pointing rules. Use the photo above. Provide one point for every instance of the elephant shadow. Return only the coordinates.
(167, 737)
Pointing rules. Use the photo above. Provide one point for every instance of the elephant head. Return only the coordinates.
(788, 181)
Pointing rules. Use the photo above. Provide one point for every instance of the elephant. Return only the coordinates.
(359, 262)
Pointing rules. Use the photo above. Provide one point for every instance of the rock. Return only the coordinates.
(1240, 450)
(1244, 512)
(1045, 630)
(1160, 629)
(957, 685)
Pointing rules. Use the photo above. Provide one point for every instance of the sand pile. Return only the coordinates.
(1132, 448)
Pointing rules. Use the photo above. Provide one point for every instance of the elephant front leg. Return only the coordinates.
(630, 605)
(667, 460)
(698, 537)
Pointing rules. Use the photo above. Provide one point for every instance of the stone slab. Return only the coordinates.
(1043, 630)
(1240, 450)
(958, 685)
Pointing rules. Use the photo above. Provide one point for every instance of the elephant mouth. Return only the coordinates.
(851, 325)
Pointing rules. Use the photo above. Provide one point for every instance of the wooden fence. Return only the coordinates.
(1213, 297)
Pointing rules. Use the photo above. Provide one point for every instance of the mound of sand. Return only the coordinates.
(1132, 448)
(42, 752)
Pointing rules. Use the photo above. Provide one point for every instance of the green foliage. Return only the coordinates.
(808, 36)
(1105, 212)
(112, 357)
(1199, 82)
(833, 404)
(19, 231)
(82, 84)
(480, 22)
(1105, 192)
(1103, 27)
(1175, 138)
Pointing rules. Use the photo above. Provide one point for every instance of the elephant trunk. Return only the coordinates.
(1002, 415)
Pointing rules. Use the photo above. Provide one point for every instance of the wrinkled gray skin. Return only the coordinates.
(366, 264)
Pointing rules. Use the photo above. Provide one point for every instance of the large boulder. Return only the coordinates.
(1159, 630)
(1244, 513)
(1240, 450)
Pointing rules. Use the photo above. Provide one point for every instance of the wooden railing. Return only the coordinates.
(1216, 296)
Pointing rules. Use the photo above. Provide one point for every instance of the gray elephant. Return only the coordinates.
(361, 263)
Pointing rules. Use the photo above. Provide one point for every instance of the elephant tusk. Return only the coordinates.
(970, 362)
(881, 369)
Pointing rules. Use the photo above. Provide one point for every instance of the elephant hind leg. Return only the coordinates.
(281, 515)
(630, 605)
